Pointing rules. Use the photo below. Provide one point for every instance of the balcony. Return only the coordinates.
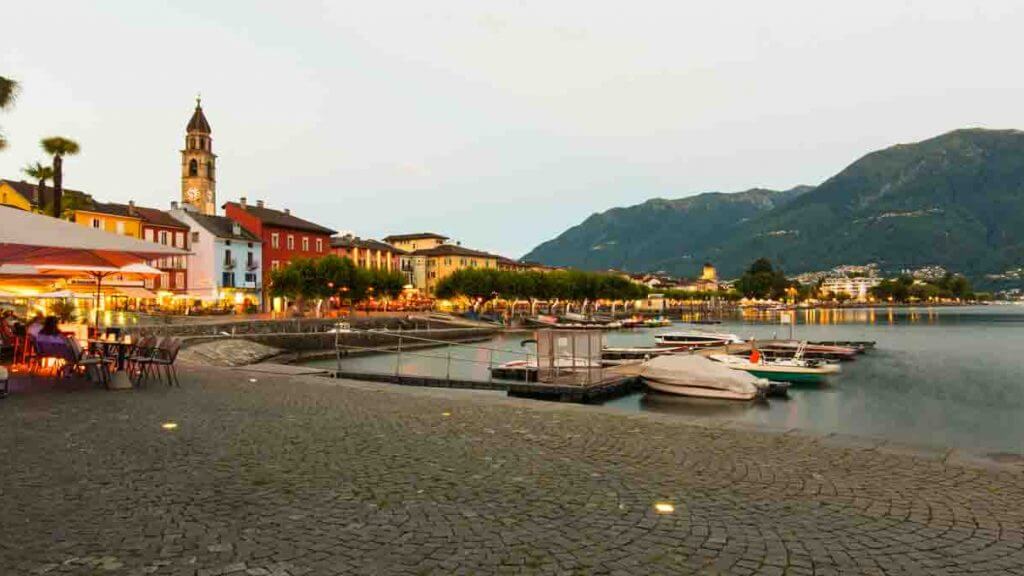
(251, 266)
(230, 263)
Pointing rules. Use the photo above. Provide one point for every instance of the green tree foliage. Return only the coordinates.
(322, 278)
(8, 93)
(906, 289)
(762, 280)
(58, 147)
(573, 285)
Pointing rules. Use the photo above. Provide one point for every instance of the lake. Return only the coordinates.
(938, 376)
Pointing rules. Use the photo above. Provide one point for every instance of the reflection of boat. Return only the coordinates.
(616, 356)
(660, 402)
(796, 369)
(696, 339)
(694, 375)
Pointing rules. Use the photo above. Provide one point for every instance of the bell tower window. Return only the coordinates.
(193, 168)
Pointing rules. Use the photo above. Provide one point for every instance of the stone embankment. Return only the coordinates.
(240, 343)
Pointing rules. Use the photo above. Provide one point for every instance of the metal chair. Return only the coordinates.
(165, 355)
(141, 359)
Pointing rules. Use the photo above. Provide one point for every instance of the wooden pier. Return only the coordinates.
(612, 383)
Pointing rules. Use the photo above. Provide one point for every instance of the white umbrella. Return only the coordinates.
(27, 238)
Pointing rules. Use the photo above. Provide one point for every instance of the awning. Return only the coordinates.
(27, 238)
(134, 292)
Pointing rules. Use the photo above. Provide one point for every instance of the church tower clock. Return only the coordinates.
(198, 172)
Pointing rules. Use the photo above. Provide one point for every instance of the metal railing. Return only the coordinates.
(563, 369)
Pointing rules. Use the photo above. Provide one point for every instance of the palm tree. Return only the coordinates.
(8, 91)
(41, 173)
(59, 147)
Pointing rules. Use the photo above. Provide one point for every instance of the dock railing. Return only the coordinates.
(550, 365)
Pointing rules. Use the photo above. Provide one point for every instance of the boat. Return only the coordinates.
(570, 323)
(634, 322)
(691, 339)
(695, 375)
(618, 356)
(526, 370)
(861, 346)
(794, 370)
(659, 322)
(789, 348)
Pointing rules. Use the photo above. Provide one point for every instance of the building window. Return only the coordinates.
(319, 244)
(250, 277)
(305, 244)
(227, 257)
(209, 170)
(193, 167)
(165, 280)
(163, 237)
(275, 240)
(274, 264)
(195, 236)
(119, 226)
(149, 235)
(179, 279)
(228, 279)
(179, 239)
(291, 242)
(96, 223)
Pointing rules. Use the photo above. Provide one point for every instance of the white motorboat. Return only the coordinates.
(795, 369)
(695, 375)
(690, 339)
(617, 356)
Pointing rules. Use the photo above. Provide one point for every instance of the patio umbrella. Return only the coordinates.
(27, 238)
(58, 247)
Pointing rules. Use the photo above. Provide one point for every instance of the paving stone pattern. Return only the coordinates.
(299, 475)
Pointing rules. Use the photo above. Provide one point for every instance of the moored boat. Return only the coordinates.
(695, 375)
(789, 348)
(617, 356)
(795, 370)
(690, 339)
(659, 322)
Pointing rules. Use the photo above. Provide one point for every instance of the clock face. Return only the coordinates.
(192, 194)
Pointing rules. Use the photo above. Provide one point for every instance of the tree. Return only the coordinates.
(41, 173)
(8, 93)
(762, 280)
(58, 147)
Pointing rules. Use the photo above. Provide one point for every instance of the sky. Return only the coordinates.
(499, 124)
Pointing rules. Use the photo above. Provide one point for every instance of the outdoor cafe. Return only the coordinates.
(56, 282)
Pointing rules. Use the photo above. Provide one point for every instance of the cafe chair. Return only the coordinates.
(164, 356)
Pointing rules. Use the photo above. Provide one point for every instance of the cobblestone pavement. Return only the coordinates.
(299, 475)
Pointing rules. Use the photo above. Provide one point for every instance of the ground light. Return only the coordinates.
(446, 413)
(664, 507)
(169, 425)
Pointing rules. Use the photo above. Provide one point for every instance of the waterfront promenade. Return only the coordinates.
(303, 475)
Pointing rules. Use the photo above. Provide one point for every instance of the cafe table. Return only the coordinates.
(119, 349)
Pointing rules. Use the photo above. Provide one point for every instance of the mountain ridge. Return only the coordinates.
(955, 200)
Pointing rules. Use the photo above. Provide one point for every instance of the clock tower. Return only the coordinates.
(198, 173)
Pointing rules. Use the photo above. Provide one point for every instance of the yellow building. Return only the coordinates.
(121, 219)
(418, 241)
(26, 196)
(431, 265)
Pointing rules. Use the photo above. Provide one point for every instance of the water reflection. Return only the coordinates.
(682, 405)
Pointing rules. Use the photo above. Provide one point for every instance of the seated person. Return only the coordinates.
(51, 342)
(35, 325)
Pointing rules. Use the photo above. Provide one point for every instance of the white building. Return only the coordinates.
(225, 265)
(856, 288)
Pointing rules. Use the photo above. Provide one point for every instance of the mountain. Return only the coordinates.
(956, 200)
(658, 234)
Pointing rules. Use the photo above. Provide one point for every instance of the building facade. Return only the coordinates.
(367, 253)
(856, 288)
(283, 237)
(162, 228)
(198, 165)
(111, 217)
(431, 265)
(225, 266)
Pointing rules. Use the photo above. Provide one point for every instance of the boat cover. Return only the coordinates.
(697, 371)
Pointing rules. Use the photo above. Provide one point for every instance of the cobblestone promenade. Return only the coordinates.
(298, 475)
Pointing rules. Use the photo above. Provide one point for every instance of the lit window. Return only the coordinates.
(291, 242)
(274, 264)
(319, 245)
(305, 244)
